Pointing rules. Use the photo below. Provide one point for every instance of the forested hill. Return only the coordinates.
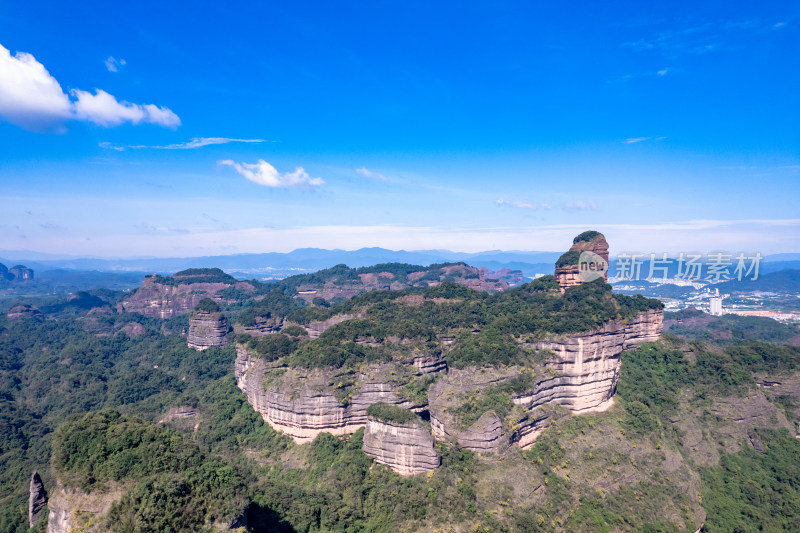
(116, 405)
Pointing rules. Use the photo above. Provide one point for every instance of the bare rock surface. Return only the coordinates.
(37, 500)
(485, 435)
(405, 448)
(568, 275)
(306, 402)
(206, 330)
(580, 374)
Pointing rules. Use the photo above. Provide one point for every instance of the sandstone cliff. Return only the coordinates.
(568, 267)
(160, 297)
(206, 330)
(407, 448)
(580, 373)
(305, 402)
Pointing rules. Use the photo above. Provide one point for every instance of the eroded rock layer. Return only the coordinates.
(206, 330)
(303, 402)
(580, 375)
(405, 448)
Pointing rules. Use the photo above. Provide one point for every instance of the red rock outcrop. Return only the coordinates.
(568, 267)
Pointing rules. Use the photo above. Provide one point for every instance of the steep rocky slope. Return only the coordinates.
(161, 297)
(375, 350)
(206, 330)
(406, 448)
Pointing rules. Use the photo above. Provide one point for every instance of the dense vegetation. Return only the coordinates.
(207, 305)
(535, 309)
(387, 412)
(196, 275)
(627, 469)
(727, 329)
(161, 470)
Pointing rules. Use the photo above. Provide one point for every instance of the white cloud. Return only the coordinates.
(265, 174)
(523, 205)
(196, 142)
(113, 65)
(364, 171)
(33, 99)
(634, 140)
(29, 96)
(663, 72)
(579, 205)
(104, 110)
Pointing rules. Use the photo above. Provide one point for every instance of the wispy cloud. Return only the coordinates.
(579, 205)
(196, 142)
(364, 171)
(114, 65)
(634, 140)
(265, 174)
(662, 72)
(33, 99)
(523, 205)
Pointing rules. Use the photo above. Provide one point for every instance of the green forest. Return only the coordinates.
(93, 411)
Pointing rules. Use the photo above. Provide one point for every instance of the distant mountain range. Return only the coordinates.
(279, 265)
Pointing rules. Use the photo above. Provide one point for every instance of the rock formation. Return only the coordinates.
(206, 330)
(262, 326)
(160, 297)
(74, 510)
(303, 402)
(22, 312)
(405, 448)
(580, 374)
(18, 273)
(37, 500)
(568, 267)
(485, 435)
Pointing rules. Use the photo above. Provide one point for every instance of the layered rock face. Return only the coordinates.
(485, 435)
(206, 330)
(37, 499)
(580, 375)
(263, 326)
(405, 448)
(158, 300)
(303, 402)
(568, 267)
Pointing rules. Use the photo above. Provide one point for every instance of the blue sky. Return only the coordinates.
(669, 126)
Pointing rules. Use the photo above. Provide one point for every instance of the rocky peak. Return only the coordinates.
(569, 265)
(37, 500)
(207, 326)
